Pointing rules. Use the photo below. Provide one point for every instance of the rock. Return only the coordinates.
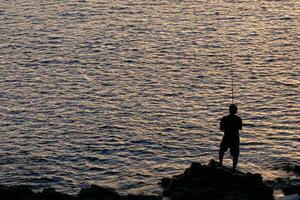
(198, 182)
(141, 197)
(16, 193)
(291, 189)
(98, 193)
(290, 197)
(297, 168)
(165, 182)
(51, 194)
(213, 182)
(94, 192)
(184, 194)
(291, 168)
(48, 190)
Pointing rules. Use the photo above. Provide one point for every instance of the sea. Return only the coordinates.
(122, 93)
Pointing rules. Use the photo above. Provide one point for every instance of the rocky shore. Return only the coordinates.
(207, 182)
(94, 192)
(215, 182)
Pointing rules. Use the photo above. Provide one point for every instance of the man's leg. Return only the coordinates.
(235, 152)
(223, 148)
(235, 160)
(221, 155)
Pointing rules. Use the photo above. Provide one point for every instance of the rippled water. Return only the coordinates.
(123, 93)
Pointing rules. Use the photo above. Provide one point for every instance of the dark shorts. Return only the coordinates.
(231, 142)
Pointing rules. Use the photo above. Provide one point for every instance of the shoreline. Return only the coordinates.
(198, 181)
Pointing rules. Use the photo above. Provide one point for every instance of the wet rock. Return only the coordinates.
(16, 193)
(290, 197)
(214, 182)
(141, 197)
(207, 182)
(51, 194)
(291, 189)
(297, 169)
(287, 185)
(165, 182)
(292, 168)
(95, 192)
(288, 167)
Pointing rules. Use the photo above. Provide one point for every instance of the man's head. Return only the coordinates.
(233, 109)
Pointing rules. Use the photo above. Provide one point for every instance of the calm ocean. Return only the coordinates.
(122, 93)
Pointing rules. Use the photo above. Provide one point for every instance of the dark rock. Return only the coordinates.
(165, 182)
(184, 194)
(291, 189)
(198, 182)
(16, 193)
(287, 185)
(48, 190)
(94, 192)
(291, 168)
(215, 182)
(141, 197)
(288, 167)
(296, 169)
(98, 193)
(51, 194)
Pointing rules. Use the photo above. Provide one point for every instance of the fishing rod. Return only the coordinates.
(231, 69)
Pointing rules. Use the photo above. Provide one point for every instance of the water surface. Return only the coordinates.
(123, 93)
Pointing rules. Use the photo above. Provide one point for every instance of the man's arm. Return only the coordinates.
(222, 124)
(241, 124)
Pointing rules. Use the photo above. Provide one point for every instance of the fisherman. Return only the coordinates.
(230, 124)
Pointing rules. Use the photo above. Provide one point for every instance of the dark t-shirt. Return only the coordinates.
(231, 124)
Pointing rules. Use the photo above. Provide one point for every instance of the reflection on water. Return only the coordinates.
(123, 93)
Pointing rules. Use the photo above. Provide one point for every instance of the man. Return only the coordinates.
(230, 124)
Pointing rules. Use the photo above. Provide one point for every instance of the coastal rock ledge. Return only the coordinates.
(198, 182)
(213, 182)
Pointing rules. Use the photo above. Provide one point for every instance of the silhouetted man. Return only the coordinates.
(231, 124)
